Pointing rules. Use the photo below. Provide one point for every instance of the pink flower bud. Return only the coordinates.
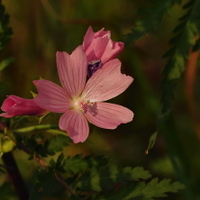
(99, 46)
(14, 106)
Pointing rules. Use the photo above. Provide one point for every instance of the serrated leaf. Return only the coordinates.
(50, 147)
(151, 17)
(182, 42)
(60, 158)
(106, 177)
(56, 144)
(78, 163)
(141, 190)
(156, 189)
(46, 185)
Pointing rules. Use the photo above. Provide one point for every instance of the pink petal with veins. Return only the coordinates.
(75, 124)
(109, 115)
(99, 46)
(88, 38)
(106, 83)
(112, 50)
(16, 106)
(72, 70)
(51, 96)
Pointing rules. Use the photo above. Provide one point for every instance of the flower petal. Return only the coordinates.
(51, 96)
(109, 115)
(106, 83)
(97, 48)
(75, 124)
(9, 102)
(16, 106)
(6, 115)
(112, 50)
(88, 38)
(72, 70)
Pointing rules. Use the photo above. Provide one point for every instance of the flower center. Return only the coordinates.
(86, 106)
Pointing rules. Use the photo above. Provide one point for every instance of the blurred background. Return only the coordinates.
(45, 26)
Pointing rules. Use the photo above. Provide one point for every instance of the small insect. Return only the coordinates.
(93, 66)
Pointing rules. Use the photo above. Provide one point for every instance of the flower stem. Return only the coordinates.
(37, 127)
(15, 176)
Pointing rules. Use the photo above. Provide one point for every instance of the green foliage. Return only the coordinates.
(5, 30)
(37, 145)
(56, 144)
(99, 179)
(46, 185)
(142, 190)
(96, 178)
(78, 163)
(154, 188)
(185, 34)
(151, 143)
(151, 17)
(6, 192)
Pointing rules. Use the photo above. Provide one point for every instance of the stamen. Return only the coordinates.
(89, 107)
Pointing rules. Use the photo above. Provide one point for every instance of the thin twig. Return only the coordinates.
(61, 180)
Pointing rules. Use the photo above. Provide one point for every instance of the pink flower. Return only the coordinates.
(99, 46)
(82, 101)
(14, 106)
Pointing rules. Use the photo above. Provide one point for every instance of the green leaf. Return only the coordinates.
(78, 163)
(5, 30)
(56, 144)
(46, 185)
(186, 32)
(58, 165)
(141, 190)
(151, 17)
(156, 189)
(37, 145)
(151, 143)
(6, 62)
(106, 177)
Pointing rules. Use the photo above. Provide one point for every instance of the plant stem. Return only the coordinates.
(37, 127)
(15, 176)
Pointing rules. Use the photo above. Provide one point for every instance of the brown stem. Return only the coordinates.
(15, 176)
